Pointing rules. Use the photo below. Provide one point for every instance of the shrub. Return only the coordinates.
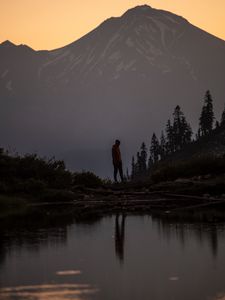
(87, 179)
(50, 172)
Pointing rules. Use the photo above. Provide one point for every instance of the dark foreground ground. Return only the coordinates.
(172, 197)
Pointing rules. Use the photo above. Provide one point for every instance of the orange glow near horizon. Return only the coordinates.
(50, 24)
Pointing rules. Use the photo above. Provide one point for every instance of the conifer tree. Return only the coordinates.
(154, 148)
(169, 138)
(181, 129)
(222, 121)
(150, 163)
(127, 175)
(162, 146)
(187, 132)
(207, 116)
(138, 165)
(177, 128)
(143, 159)
(133, 168)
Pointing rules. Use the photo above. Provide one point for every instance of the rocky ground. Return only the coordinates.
(169, 198)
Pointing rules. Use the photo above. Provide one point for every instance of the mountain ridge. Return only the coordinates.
(133, 10)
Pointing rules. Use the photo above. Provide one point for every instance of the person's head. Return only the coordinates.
(117, 142)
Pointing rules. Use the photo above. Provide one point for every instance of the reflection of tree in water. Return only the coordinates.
(39, 227)
(213, 239)
(2, 249)
(119, 236)
(204, 226)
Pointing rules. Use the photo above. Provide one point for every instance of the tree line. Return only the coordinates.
(177, 134)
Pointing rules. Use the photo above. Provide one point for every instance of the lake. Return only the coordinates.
(137, 257)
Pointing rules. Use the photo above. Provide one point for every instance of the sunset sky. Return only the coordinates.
(49, 24)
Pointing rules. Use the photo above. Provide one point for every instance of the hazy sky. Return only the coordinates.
(49, 24)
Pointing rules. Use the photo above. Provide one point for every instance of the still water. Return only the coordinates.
(112, 257)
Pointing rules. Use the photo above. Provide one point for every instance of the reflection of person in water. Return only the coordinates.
(119, 236)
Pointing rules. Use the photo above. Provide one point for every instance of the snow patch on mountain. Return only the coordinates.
(4, 73)
(125, 66)
(110, 43)
(115, 56)
(9, 85)
(129, 42)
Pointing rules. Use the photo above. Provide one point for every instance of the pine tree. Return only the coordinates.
(177, 128)
(181, 129)
(127, 175)
(143, 159)
(169, 138)
(186, 131)
(133, 174)
(222, 121)
(207, 116)
(162, 148)
(198, 134)
(150, 163)
(138, 165)
(154, 148)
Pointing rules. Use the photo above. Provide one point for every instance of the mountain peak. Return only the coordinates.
(145, 10)
(140, 9)
(7, 43)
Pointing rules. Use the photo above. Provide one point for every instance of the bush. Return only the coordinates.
(31, 174)
(87, 179)
(29, 186)
(39, 170)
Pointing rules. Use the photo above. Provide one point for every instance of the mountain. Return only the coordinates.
(121, 80)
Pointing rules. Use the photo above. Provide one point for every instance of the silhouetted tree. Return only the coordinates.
(143, 159)
(169, 138)
(127, 175)
(187, 132)
(154, 148)
(162, 148)
(150, 163)
(181, 130)
(178, 134)
(207, 116)
(133, 168)
(198, 134)
(137, 169)
(222, 121)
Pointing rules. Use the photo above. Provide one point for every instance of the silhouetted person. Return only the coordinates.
(117, 161)
(119, 236)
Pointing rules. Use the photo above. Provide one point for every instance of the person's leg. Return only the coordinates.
(115, 172)
(121, 171)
